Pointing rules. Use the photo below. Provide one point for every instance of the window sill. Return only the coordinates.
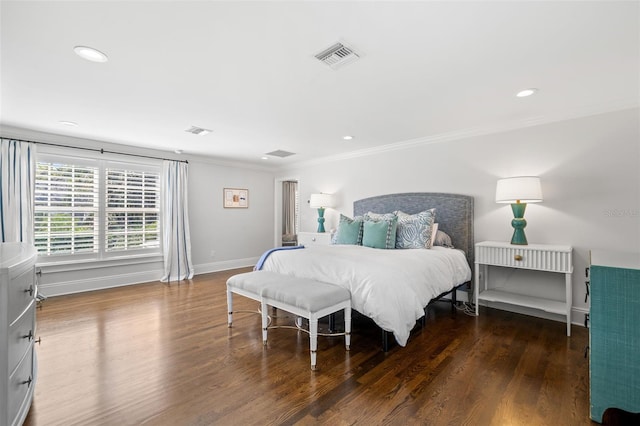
(84, 264)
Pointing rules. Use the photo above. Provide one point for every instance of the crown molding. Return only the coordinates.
(456, 135)
(8, 132)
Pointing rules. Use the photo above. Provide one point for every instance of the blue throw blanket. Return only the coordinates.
(266, 254)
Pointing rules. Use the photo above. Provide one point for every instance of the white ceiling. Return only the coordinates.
(428, 71)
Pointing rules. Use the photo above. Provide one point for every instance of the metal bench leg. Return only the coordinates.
(313, 339)
(332, 322)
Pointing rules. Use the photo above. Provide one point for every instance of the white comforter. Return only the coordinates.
(389, 286)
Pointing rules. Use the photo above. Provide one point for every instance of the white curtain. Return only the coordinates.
(175, 222)
(17, 186)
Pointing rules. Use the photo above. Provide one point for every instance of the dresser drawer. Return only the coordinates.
(21, 292)
(20, 386)
(21, 336)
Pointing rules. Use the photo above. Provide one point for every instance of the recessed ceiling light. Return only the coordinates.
(90, 54)
(347, 138)
(68, 123)
(264, 158)
(178, 151)
(526, 92)
(198, 130)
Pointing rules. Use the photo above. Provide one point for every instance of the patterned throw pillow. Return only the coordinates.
(349, 230)
(414, 231)
(380, 233)
(379, 216)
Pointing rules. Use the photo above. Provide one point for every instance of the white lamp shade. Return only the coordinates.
(525, 189)
(320, 201)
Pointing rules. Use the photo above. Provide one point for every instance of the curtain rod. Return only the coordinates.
(100, 150)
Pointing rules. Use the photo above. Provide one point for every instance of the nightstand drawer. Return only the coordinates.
(314, 238)
(536, 257)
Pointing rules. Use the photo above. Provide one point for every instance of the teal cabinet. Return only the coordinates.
(614, 334)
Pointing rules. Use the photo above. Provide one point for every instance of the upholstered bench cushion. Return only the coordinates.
(307, 294)
(254, 282)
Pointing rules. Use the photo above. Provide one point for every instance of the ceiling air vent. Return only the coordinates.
(280, 153)
(337, 56)
(197, 130)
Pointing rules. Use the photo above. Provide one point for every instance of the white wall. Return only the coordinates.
(237, 236)
(590, 172)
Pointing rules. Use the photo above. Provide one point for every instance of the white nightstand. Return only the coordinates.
(537, 257)
(314, 238)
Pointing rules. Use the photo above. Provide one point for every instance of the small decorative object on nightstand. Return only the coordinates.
(537, 257)
(320, 202)
(519, 191)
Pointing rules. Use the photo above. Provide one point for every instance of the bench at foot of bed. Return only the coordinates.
(304, 297)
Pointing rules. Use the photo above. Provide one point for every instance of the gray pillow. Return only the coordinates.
(443, 239)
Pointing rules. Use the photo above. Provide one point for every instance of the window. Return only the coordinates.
(96, 208)
(132, 209)
(66, 209)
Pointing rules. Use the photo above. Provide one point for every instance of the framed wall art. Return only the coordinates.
(235, 198)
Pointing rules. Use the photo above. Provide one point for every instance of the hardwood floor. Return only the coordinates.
(162, 354)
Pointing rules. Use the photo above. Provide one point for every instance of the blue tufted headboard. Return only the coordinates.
(454, 213)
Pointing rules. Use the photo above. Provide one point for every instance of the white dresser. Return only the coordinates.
(17, 331)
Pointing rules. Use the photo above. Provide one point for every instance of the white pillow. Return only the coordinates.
(434, 231)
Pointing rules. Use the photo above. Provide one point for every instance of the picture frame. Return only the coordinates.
(235, 198)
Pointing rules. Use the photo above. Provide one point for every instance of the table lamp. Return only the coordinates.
(518, 191)
(320, 202)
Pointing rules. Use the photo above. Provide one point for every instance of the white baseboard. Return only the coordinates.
(97, 283)
(118, 280)
(225, 265)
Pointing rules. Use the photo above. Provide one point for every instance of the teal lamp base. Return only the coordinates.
(519, 223)
(321, 219)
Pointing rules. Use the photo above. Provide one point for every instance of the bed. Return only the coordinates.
(392, 287)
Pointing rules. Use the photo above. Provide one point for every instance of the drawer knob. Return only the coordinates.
(29, 336)
(29, 290)
(313, 238)
(28, 381)
(517, 257)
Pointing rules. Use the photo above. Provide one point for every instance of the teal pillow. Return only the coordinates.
(349, 231)
(380, 233)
